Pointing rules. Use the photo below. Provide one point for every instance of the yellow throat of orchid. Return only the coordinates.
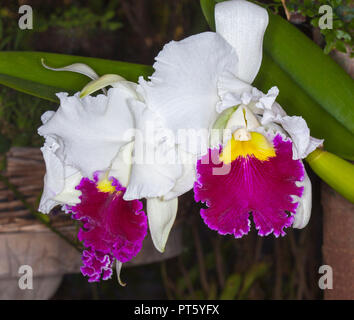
(244, 143)
(105, 185)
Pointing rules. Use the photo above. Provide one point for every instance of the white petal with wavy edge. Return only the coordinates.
(303, 211)
(161, 216)
(92, 129)
(299, 132)
(243, 25)
(155, 168)
(59, 178)
(183, 89)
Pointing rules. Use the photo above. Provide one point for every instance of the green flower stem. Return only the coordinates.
(336, 172)
(44, 219)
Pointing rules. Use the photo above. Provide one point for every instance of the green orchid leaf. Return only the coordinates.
(336, 172)
(23, 71)
(208, 8)
(30, 87)
(313, 71)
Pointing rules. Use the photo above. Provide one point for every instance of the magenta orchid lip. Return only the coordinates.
(112, 227)
(263, 188)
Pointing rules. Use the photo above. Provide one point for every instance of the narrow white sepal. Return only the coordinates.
(161, 216)
(76, 67)
(303, 211)
(118, 270)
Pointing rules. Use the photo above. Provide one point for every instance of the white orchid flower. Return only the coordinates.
(199, 79)
(84, 142)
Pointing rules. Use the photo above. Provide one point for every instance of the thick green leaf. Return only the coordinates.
(31, 87)
(336, 172)
(23, 71)
(313, 71)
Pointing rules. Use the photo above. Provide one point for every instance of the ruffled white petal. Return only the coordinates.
(155, 168)
(303, 211)
(59, 179)
(272, 113)
(243, 24)
(161, 216)
(92, 129)
(232, 91)
(299, 132)
(183, 89)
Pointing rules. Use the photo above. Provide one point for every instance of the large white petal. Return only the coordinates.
(155, 168)
(92, 129)
(303, 211)
(183, 88)
(161, 216)
(243, 25)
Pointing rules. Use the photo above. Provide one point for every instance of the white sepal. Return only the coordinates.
(161, 216)
(303, 211)
(118, 270)
(243, 24)
(75, 67)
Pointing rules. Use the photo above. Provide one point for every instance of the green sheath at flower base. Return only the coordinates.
(336, 172)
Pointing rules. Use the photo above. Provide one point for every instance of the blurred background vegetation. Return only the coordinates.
(211, 266)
